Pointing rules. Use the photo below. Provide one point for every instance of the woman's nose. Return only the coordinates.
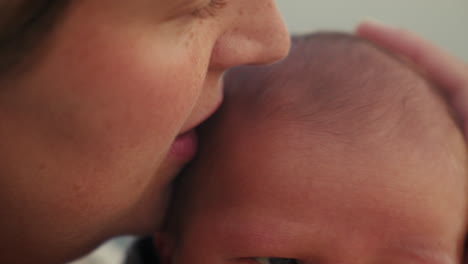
(256, 35)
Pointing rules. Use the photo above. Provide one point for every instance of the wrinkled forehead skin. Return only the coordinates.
(266, 189)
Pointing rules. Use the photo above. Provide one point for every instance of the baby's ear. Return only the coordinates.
(165, 244)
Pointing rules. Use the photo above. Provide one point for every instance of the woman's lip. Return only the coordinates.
(211, 112)
(185, 146)
(218, 104)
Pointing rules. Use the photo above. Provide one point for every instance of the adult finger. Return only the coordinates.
(443, 69)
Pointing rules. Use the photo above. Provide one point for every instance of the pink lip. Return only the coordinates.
(185, 146)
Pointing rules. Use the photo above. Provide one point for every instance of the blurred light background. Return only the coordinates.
(444, 22)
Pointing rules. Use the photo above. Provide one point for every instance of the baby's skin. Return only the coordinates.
(338, 154)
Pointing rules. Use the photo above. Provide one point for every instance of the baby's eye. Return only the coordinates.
(276, 261)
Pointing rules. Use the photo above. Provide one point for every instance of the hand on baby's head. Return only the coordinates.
(340, 153)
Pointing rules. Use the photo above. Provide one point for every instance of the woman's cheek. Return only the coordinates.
(135, 96)
(108, 118)
(134, 88)
(106, 111)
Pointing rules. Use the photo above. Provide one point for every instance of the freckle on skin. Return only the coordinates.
(189, 39)
(77, 187)
(108, 126)
(42, 167)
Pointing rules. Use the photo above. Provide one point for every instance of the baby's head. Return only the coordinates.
(338, 154)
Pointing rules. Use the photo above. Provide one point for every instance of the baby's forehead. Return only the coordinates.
(285, 163)
(336, 78)
(277, 185)
(343, 89)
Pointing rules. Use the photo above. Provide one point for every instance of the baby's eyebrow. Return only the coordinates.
(424, 254)
(255, 239)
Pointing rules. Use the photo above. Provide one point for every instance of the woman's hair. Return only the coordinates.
(24, 25)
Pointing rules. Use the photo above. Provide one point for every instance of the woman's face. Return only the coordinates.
(91, 135)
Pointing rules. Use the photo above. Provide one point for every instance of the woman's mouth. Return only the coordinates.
(184, 147)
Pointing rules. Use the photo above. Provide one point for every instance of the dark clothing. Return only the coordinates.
(142, 252)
